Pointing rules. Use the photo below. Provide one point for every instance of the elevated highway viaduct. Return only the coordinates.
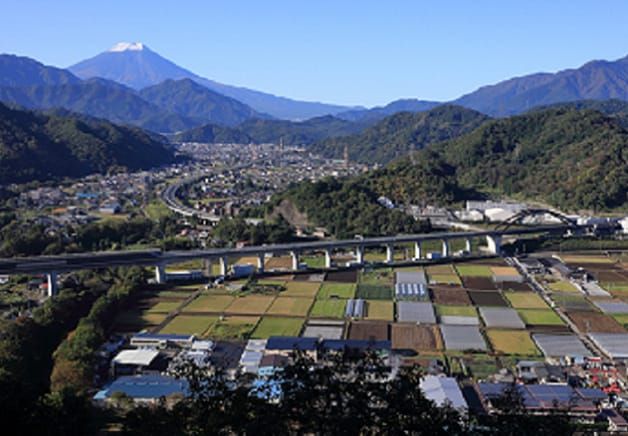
(52, 265)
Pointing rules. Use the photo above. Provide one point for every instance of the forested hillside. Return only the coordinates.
(35, 146)
(399, 134)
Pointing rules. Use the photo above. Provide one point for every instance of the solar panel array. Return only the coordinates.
(554, 345)
(501, 317)
(414, 311)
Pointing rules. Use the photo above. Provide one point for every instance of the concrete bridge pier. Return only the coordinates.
(328, 258)
(295, 260)
(467, 245)
(494, 243)
(359, 254)
(160, 274)
(445, 251)
(53, 288)
(224, 265)
(390, 253)
(418, 250)
(207, 267)
(260, 262)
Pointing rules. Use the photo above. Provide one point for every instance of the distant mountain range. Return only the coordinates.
(596, 80)
(135, 65)
(36, 146)
(261, 131)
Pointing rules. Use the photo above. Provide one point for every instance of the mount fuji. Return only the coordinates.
(135, 65)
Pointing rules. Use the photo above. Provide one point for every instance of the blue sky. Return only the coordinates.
(350, 52)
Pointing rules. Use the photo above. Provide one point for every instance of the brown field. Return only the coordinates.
(610, 276)
(480, 283)
(309, 277)
(487, 298)
(595, 322)
(369, 330)
(456, 296)
(415, 337)
(342, 276)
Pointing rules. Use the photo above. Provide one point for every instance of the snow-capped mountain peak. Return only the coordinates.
(128, 46)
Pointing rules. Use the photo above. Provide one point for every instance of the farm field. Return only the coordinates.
(525, 300)
(350, 276)
(445, 279)
(479, 283)
(374, 292)
(134, 320)
(301, 289)
(189, 325)
(512, 342)
(277, 326)
(415, 337)
(233, 327)
(487, 298)
(295, 306)
(333, 308)
(474, 271)
(453, 296)
(562, 286)
(250, 304)
(369, 330)
(336, 290)
(534, 317)
(380, 310)
(164, 307)
(209, 303)
(595, 322)
(442, 310)
(383, 276)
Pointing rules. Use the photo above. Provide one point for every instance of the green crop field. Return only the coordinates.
(189, 325)
(474, 271)
(380, 310)
(233, 327)
(333, 308)
(540, 317)
(382, 276)
(374, 292)
(276, 326)
(301, 289)
(443, 310)
(338, 290)
(296, 306)
(209, 303)
(250, 304)
(525, 300)
(512, 342)
(622, 318)
(562, 286)
(314, 261)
